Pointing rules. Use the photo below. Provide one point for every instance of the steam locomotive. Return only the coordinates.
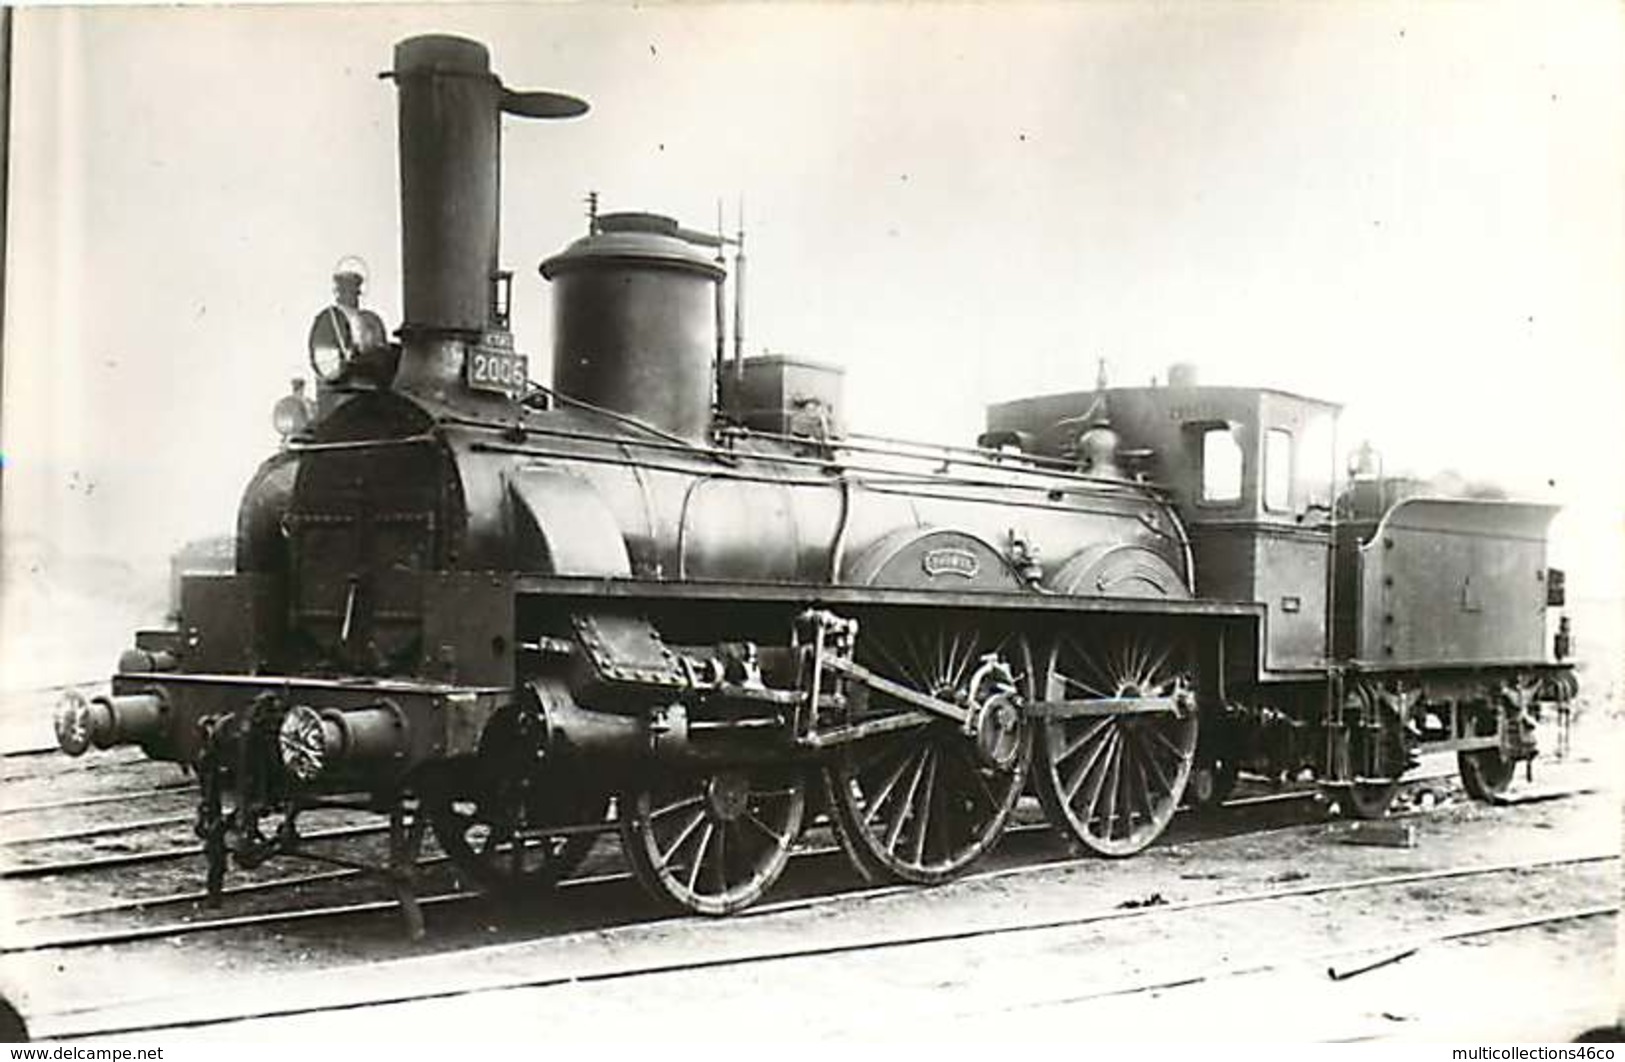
(674, 590)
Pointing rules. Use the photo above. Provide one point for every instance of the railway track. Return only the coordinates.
(70, 866)
(292, 883)
(607, 964)
(349, 909)
(161, 790)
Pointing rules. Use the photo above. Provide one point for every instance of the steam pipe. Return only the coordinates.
(739, 304)
(722, 317)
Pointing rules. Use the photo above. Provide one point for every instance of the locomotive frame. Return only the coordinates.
(674, 586)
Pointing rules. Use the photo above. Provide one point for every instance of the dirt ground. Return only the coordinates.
(1246, 970)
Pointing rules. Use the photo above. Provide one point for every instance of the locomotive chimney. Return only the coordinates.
(451, 162)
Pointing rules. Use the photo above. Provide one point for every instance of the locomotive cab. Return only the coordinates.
(1250, 471)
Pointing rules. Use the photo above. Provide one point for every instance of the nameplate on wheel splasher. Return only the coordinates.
(948, 560)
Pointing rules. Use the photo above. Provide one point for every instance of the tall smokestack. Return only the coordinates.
(451, 164)
(451, 144)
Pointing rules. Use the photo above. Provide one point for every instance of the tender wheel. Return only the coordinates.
(1485, 774)
(713, 843)
(487, 838)
(1367, 800)
(1378, 752)
(922, 804)
(1114, 782)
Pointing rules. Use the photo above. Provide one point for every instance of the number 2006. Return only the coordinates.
(504, 371)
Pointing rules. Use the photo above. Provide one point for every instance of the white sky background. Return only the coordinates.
(1418, 210)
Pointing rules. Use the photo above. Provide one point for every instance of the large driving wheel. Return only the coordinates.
(923, 803)
(1113, 782)
(713, 843)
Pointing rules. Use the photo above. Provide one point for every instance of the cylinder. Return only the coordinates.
(450, 144)
(634, 322)
(574, 731)
(1182, 374)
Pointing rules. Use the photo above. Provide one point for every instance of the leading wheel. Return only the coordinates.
(499, 820)
(488, 839)
(1113, 782)
(712, 843)
(922, 804)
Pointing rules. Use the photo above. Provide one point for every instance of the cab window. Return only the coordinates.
(1278, 470)
(1221, 467)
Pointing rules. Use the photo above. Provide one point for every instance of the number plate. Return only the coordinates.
(501, 371)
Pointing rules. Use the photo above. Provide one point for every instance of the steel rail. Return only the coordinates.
(1397, 950)
(127, 935)
(166, 789)
(904, 940)
(134, 934)
(247, 888)
(103, 830)
(62, 867)
(29, 751)
(122, 756)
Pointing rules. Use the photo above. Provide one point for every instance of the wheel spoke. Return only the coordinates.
(886, 790)
(768, 831)
(1109, 790)
(892, 661)
(921, 672)
(699, 857)
(1149, 759)
(676, 805)
(968, 761)
(721, 860)
(670, 853)
(923, 820)
(906, 807)
(1084, 686)
(1138, 802)
(1097, 779)
(1154, 673)
(1087, 767)
(1180, 753)
(1088, 734)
